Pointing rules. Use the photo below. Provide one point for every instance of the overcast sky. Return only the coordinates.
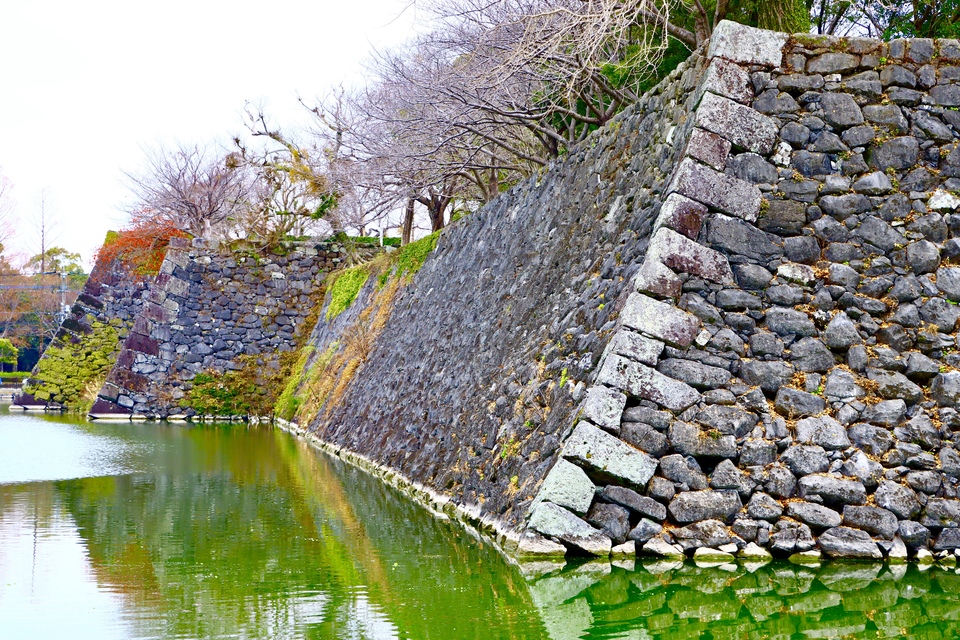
(86, 85)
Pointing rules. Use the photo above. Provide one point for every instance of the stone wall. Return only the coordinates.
(89, 339)
(788, 384)
(205, 310)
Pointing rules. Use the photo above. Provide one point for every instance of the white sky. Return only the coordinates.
(86, 85)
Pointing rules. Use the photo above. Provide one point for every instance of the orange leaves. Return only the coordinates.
(141, 247)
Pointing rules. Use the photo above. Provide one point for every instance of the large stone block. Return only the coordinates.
(718, 190)
(568, 486)
(739, 43)
(659, 320)
(604, 406)
(693, 506)
(682, 215)
(656, 279)
(708, 148)
(727, 79)
(556, 522)
(632, 345)
(741, 125)
(644, 382)
(680, 253)
(593, 448)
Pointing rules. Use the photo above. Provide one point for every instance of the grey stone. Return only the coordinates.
(799, 82)
(939, 312)
(861, 467)
(842, 207)
(841, 385)
(941, 513)
(832, 62)
(603, 407)
(589, 446)
(897, 153)
(694, 506)
(947, 95)
(740, 238)
(933, 126)
(684, 255)
(780, 482)
(928, 482)
(811, 163)
(662, 489)
(865, 84)
(810, 355)
(727, 420)
(726, 341)
(948, 281)
(720, 191)
(840, 110)
(828, 142)
(556, 522)
(727, 79)
(696, 374)
(803, 460)
(823, 431)
(659, 320)
(891, 384)
(923, 257)
(802, 249)
(659, 420)
(795, 133)
(844, 542)
(642, 505)
(772, 101)
(708, 533)
(636, 347)
(790, 536)
(919, 430)
(783, 217)
(899, 499)
(643, 382)
(740, 43)
(768, 375)
(613, 520)
(645, 530)
(873, 184)
(758, 453)
(897, 75)
(752, 168)
(741, 125)
(843, 275)
(859, 136)
(873, 520)
(681, 214)
(889, 115)
(684, 471)
(949, 462)
(790, 322)
(879, 233)
(727, 476)
(689, 439)
(764, 343)
(736, 300)
(914, 534)
(763, 507)
(568, 486)
(708, 148)
(644, 437)
(948, 539)
(794, 403)
(833, 490)
(815, 515)
(751, 276)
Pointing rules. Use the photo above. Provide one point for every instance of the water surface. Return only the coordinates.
(176, 531)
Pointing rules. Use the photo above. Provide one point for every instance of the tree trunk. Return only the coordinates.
(407, 230)
(789, 16)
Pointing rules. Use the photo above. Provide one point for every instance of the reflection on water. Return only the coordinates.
(200, 532)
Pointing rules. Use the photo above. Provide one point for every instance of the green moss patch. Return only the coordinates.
(344, 290)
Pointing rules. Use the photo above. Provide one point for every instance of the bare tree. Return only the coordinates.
(46, 225)
(195, 188)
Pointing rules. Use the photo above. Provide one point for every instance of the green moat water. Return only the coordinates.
(176, 531)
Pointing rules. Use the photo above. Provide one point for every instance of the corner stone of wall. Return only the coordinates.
(821, 471)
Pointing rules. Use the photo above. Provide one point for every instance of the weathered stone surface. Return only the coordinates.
(764, 507)
(768, 375)
(810, 355)
(757, 453)
(844, 542)
(727, 476)
(596, 450)
(694, 506)
(568, 486)
(740, 43)
(879, 233)
(636, 347)
(642, 505)
(891, 384)
(841, 333)
(780, 482)
(842, 385)
(945, 389)
(941, 513)
(888, 413)
(717, 190)
(815, 515)
(861, 467)
(873, 520)
(948, 539)
(794, 403)
(897, 153)
(680, 253)
(659, 320)
(833, 62)
(752, 168)
(823, 431)
(790, 321)
(556, 522)
(833, 490)
(914, 534)
(805, 459)
(790, 536)
(681, 214)
(644, 437)
(645, 530)
(709, 533)
(840, 110)
(643, 382)
(689, 439)
(899, 499)
(684, 471)
(739, 238)
(603, 407)
(708, 148)
(739, 124)
(696, 374)
(613, 520)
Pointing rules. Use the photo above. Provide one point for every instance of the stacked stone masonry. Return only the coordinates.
(785, 377)
(204, 310)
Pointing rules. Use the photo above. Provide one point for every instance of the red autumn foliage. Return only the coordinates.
(141, 247)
